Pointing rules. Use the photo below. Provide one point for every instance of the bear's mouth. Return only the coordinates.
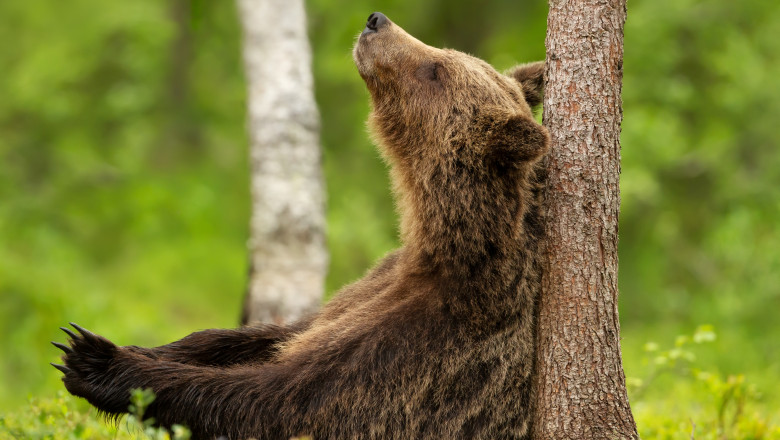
(360, 58)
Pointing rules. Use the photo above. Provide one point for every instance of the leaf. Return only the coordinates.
(704, 333)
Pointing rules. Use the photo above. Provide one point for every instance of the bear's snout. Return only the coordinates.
(375, 21)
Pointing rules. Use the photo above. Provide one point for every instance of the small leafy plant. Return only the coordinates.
(67, 418)
(140, 399)
(703, 405)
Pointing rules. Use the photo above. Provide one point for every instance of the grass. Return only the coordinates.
(64, 417)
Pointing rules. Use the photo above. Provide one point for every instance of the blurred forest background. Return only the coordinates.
(124, 200)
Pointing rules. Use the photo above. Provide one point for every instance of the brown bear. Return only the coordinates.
(437, 340)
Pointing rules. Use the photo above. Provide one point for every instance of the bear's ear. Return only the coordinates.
(531, 79)
(517, 139)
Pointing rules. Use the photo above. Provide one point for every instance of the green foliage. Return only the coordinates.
(65, 418)
(54, 418)
(700, 167)
(114, 186)
(696, 401)
(677, 359)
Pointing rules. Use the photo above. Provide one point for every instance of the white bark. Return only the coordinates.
(287, 237)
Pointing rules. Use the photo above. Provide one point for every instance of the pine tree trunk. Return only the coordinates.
(288, 258)
(579, 387)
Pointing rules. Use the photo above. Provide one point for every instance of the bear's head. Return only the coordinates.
(461, 138)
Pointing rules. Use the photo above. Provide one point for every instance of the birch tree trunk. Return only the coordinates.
(580, 385)
(288, 258)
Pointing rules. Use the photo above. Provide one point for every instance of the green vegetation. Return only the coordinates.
(124, 187)
(65, 418)
(703, 403)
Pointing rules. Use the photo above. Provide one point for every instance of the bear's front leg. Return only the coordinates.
(225, 347)
(241, 401)
(95, 370)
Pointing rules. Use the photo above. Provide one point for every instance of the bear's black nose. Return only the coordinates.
(375, 22)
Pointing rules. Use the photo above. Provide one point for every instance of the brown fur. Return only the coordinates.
(435, 342)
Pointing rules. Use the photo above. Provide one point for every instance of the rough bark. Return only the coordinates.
(287, 232)
(580, 385)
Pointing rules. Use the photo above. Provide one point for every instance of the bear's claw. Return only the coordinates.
(86, 361)
(62, 368)
(69, 333)
(84, 332)
(62, 347)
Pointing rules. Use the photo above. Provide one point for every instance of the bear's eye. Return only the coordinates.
(430, 71)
